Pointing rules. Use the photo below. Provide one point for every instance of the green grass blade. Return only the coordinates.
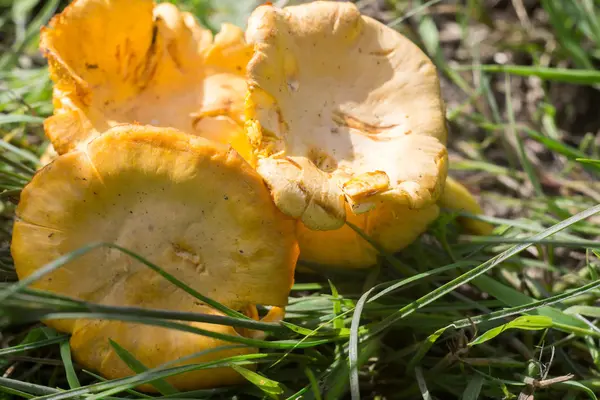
(14, 392)
(32, 307)
(558, 147)
(102, 389)
(521, 303)
(26, 387)
(526, 322)
(59, 262)
(271, 388)
(32, 346)
(579, 387)
(353, 345)
(65, 354)
(523, 158)
(278, 344)
(587, 311)
(313, 384)
(478, 271)
(136, 366)
(24, 154)
(16, 118)
(574, 76)
(473, 388)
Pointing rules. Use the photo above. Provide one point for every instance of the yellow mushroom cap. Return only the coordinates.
(131, 61)
(342, 110)
(189, 205)
(392, 227)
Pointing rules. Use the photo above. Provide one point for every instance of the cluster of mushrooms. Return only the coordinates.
(222, 160)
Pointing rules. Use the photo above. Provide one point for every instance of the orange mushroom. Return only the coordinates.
(189, 205)
(126, 61)
(347, 123)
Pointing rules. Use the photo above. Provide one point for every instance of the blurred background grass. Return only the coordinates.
(521, 81)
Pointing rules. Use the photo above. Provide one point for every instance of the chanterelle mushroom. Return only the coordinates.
(126, 61)
(190, 205)
(342, 110)
(347, 123)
